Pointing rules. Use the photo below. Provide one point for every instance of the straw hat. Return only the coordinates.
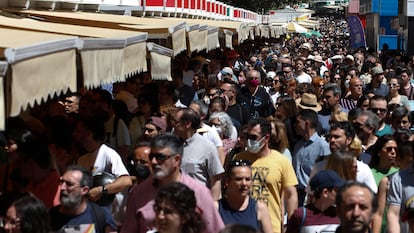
(309, 101)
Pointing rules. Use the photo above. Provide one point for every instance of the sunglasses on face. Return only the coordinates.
(159, 156)
(390, 148)
(380, 110)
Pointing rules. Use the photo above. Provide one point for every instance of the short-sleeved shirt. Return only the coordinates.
(140, 215)
(105, 159)
(401, 187)
(59, 220)
(270, 176)
(200, 159)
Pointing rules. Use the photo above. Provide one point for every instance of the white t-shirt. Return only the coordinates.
(104, 159)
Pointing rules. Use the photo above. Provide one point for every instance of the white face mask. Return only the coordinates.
(254, 146)
(346, 84)
(206, 100)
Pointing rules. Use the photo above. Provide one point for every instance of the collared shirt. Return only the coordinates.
(200, 159)
(348, 103)
(140, 215)
(305, 155)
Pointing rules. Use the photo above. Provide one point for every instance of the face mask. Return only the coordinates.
(142, 171)
(254, 146)
(254, 83)
(346, 84)
(206, 100)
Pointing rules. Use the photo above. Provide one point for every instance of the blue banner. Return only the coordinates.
(357, 34)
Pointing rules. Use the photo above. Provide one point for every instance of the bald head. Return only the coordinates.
(355, 86)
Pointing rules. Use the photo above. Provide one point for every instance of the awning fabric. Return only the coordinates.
(160, 62)
(155, 27)
(112, 66)
(229, 38)
(42, 64)
(213, 39)
(179, 43)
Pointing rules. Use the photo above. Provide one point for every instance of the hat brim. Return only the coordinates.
(317, 108)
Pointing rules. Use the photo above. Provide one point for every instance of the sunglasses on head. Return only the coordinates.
(239, 163)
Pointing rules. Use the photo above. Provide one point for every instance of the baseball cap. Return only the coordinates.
(325, 179)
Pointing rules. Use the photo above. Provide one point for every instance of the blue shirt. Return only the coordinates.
(305, 155)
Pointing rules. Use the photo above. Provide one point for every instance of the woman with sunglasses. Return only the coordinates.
(236, 206)
(383, 160)
(404, 159)
(397, 95)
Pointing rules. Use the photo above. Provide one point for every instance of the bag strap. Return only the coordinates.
(303, 217)
(100, 217)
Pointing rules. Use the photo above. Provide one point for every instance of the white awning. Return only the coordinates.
(42, 64)
(113, 59)
(160, 62)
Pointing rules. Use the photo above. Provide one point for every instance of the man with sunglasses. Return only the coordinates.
(166, 155)
(366, 124)
(273, 173)
(378, 105)
(75, 211)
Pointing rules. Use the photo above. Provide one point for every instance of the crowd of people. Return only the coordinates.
(297, 134)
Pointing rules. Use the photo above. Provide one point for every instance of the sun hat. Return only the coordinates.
(309, 101)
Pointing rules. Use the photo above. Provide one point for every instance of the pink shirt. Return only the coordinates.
(140, 216)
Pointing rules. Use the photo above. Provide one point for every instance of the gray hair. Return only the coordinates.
(170, 141)
(225, 120)
(372, 120)
(334, 88)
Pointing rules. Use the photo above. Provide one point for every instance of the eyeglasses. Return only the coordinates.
(12, 221)
(160, 157)
(358, 125)
(275, 80)
(380, 110)
(326, 76)
(393, 85)
(390, 148)
(68, 183)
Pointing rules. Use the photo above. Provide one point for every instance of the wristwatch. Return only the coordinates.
(104, 189)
